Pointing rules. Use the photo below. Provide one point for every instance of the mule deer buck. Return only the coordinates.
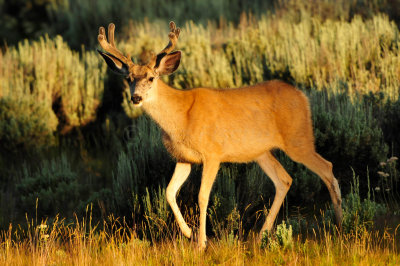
(212, 126)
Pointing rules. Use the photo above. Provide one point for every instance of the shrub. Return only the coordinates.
(157, 213)
(347, 134)
(49, 189)
(77, 20)
(358, 214)
(387, 113)
(140, 169)
(126, 186)
(51, 75)
(25, 123)
(24, 19)
(222, 210)
(283, 238)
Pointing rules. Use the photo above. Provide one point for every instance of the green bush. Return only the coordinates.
(222, 208)
(387, 113)
(126, 186)
(22, 19)
(49, 189)
(76, 20)
(101, 204)
(50, 74)
(140, 169)
(157, 213)
(347, 134)
(358, 213)
(25, 123)
(282, 238)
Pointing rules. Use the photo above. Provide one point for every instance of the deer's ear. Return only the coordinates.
(114, 63)
(169, 63)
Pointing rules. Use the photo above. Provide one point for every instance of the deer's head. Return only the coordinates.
(142, 79)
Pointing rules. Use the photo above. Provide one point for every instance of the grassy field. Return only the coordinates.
(83, 244)
(74, 153)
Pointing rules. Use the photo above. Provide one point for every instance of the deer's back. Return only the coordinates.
(238, 125)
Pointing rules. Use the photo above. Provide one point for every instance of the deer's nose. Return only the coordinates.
(136, 99)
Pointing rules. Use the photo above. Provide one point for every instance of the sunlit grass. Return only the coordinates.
(358, 56)
(81, 243)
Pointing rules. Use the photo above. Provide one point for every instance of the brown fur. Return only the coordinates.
(238, 125)
(211, 126)
(221, 119)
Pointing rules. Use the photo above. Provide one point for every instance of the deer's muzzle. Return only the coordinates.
(136, 99)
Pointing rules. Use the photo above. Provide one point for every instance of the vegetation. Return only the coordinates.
(49, 73)
(81, 245)
(72, 145)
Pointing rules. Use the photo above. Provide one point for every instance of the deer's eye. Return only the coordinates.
(151, 79)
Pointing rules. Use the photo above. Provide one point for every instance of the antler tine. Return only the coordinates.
(110, 46)
(111, 29)
(173, 38)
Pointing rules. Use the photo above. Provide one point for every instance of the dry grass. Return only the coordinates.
(79, 243)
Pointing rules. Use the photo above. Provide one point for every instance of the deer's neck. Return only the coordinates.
(169, 108)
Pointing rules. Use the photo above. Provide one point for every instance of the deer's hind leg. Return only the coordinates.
(210, 170)
(282, 182)
(323, 168)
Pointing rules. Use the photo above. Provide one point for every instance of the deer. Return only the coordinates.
(212, 126)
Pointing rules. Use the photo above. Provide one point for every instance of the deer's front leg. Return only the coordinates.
(210, 170)
(181, 173)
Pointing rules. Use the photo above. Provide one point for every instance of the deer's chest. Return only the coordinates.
(181, 150)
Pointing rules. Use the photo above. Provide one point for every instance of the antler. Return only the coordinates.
(109, 47)
(173, 39)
